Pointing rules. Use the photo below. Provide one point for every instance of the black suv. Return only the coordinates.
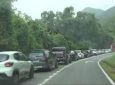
(43, 59)
(61, 54)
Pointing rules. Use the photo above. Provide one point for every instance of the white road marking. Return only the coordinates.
(88, 62)
(107, 76)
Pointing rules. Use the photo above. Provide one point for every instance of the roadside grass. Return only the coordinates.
(109, 66)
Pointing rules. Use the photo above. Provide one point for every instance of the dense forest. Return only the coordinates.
(73, 30)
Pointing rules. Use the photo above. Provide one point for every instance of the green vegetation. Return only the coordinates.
(109, 66)
(70, 29)
(102, 15)
(107, 15)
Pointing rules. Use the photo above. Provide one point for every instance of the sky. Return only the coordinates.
(34, 8)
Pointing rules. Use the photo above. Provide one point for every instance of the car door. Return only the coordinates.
(54, 58)
(51, 60)
(26, 64)
(19, 65)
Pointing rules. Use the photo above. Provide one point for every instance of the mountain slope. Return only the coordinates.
(93, 10)
(101, 15)
(107, 15)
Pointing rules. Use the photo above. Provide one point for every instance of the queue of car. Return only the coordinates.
(14, 65)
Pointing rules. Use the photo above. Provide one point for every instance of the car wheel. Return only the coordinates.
(15, 79)
(49, 68)
(31, 73)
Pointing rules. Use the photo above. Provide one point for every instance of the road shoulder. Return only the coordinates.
(104, 72)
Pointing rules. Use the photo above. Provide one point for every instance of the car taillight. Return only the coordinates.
(9, 64)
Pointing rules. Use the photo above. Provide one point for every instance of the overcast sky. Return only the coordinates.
(34, 8)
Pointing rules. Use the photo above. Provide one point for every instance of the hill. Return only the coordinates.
(107, 15)
(101, 15)
(93, 10)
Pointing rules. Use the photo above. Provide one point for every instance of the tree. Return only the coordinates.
(68, 13)
(5, 24)
(81, 31)
(48, 19)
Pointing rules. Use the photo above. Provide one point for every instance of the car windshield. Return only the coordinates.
(3, 57)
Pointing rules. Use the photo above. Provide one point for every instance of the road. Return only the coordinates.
(82, 72)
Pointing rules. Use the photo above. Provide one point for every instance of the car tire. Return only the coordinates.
(31, 73)
(49, 68)
(15, 79)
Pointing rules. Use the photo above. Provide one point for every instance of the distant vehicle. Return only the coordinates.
(79, 54)
(43, 59)
(73, 55)
(94, 52)
(61, 54)
(108, 50)
(86, 53)
(14, 66)
(99, 52)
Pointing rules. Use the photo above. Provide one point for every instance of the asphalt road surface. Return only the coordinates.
(81, 72)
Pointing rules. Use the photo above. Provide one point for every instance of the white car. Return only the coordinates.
(14, 65)
(80, 55)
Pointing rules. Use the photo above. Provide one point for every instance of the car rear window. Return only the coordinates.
(57, 52)
(3, 57)
(39, 54)
(34, 56)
